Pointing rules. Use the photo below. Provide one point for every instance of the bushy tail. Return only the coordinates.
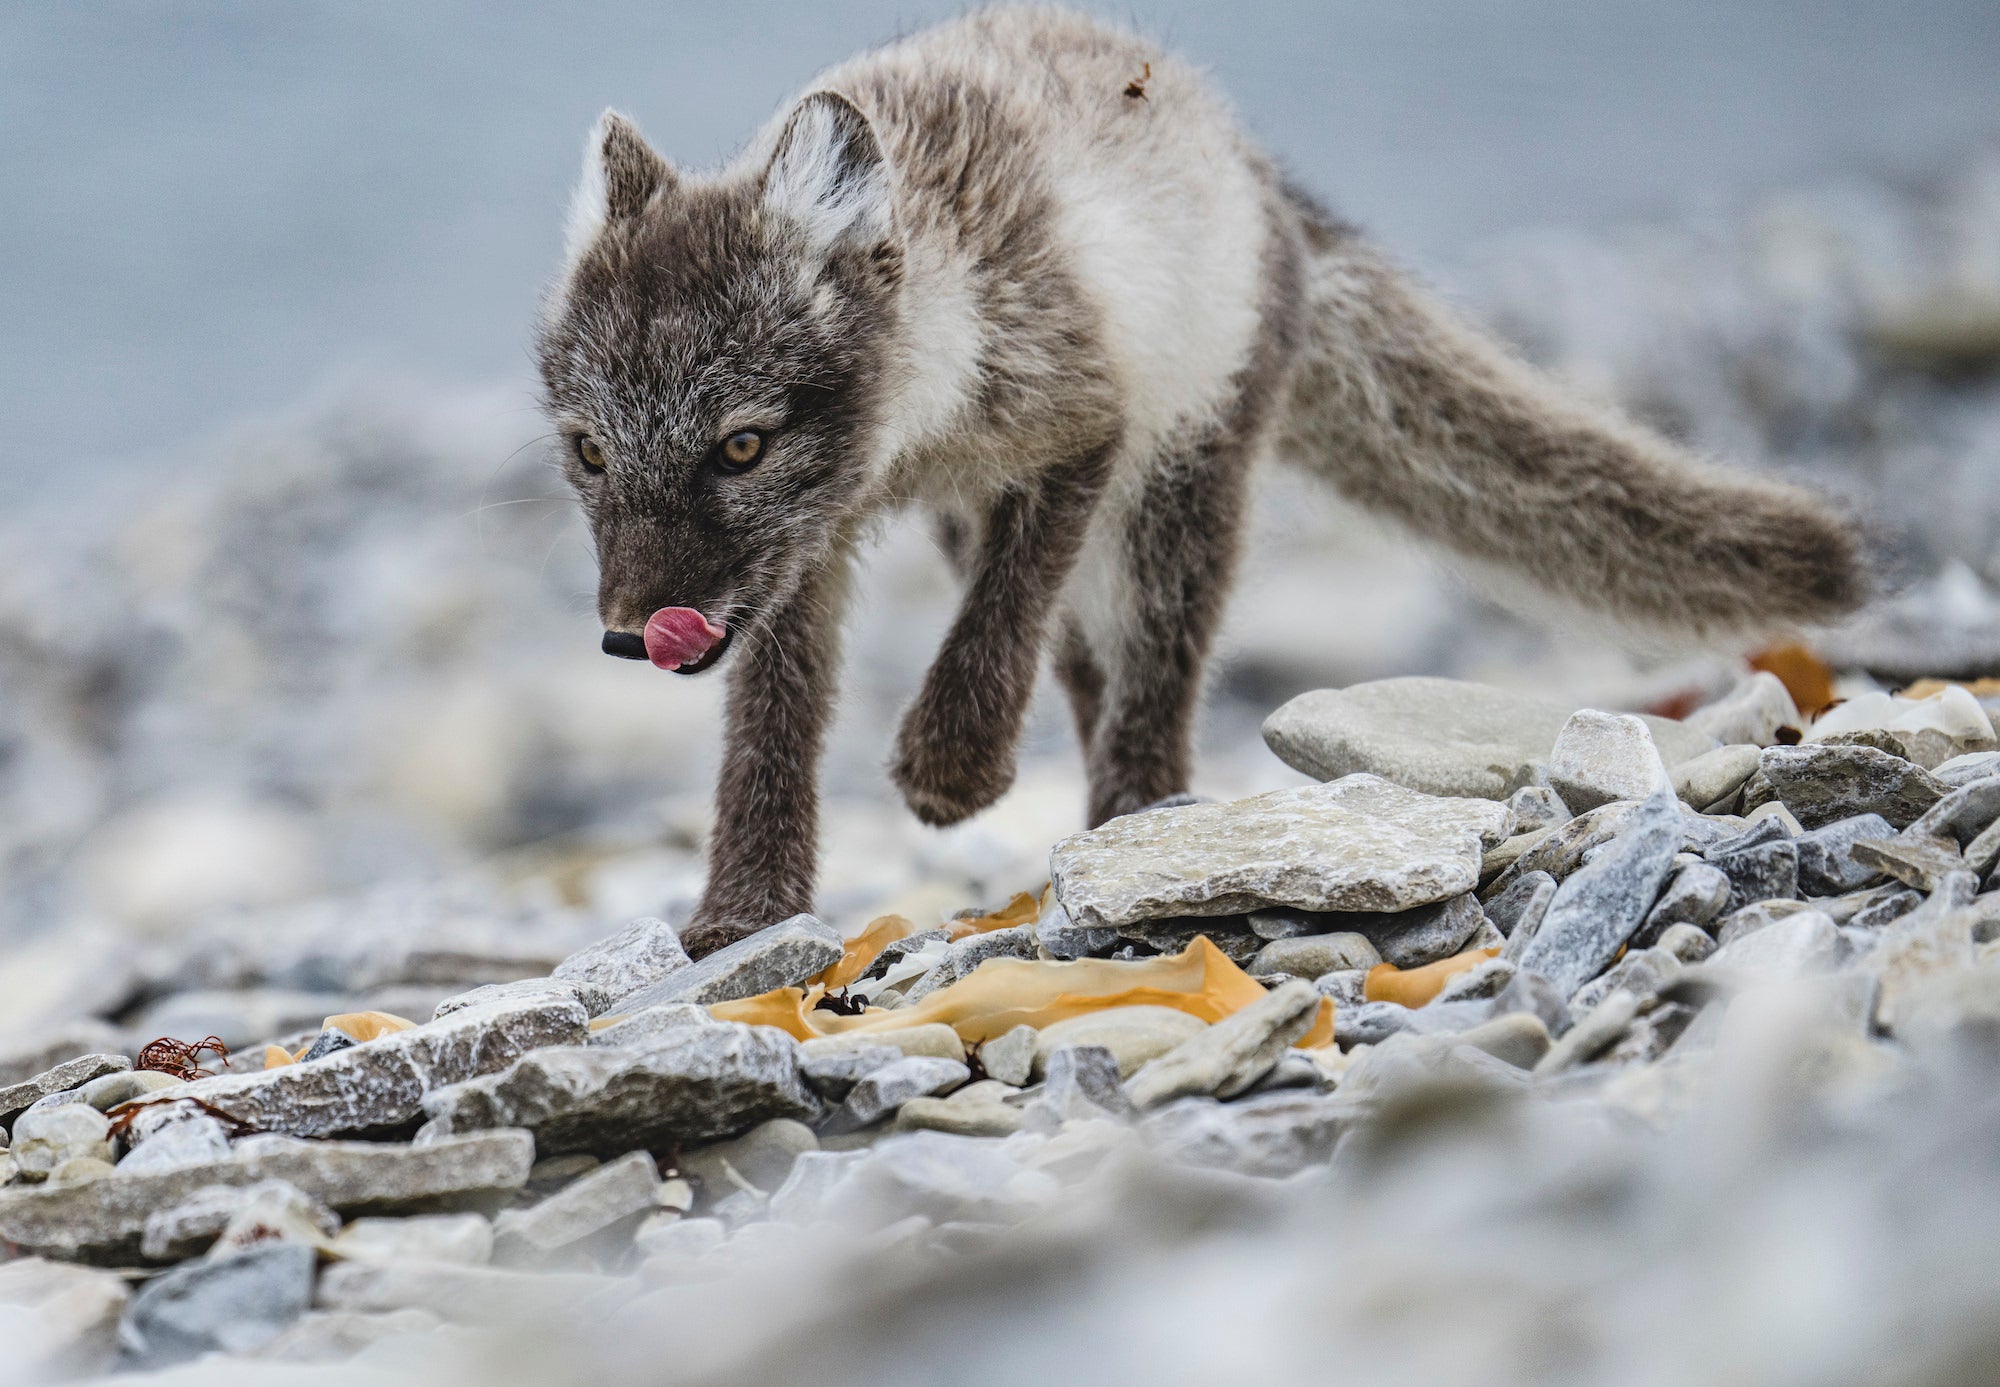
(1411, 412)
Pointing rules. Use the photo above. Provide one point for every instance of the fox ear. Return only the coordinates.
(621, 174)
(829, 174)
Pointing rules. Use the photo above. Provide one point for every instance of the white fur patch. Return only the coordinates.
(587, 204)
(817, 182)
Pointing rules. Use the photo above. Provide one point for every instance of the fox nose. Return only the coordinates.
(625, 645)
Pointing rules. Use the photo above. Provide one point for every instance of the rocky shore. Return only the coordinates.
(1323, 1041)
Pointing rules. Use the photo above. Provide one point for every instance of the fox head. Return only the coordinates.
(712, 360)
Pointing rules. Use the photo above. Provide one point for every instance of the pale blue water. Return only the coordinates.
(211, 209)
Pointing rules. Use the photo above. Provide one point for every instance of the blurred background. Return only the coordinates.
(296, 632)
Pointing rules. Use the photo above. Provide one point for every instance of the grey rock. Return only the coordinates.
(520, 992)
(1521, 906)
(645, 952)
(1518, 1037)
(1688, 943)
(1806, 942)
(487, 1296)
(1538, 806)
(1370, 1023)
(330, 1039)
(76, 1314)
(1280, 923)
(982, 1117)
(782, 955)
(1769, 871)
(1345, 988)
(1823, 784)
(1694, 896)
(1751, 712)
(1497, 867)
(1826, 857)
(1355, 844)
(1488, 979)
(613, 1193)
(1599, 758)
(1536, 996)
(1271, 1135)
(196, 1141)
(45, 1138)
(1596, 1032)
(1645, 973)
(1293, 1070)
(1715, 776)
(17, 1098)
(1061, 937)
(1597, 909)
(197, 1222)
(1753, 835)
(1565, 848)
(1134, 1035)
(698, 1085)
(1232, 1054)
(1918, 862)
(1960, 771)
(884, 1090)
(1887, 910)
(1412, 938)
(105, 1221)
(761, 1158)
(833, 1066)
(1440, 1017)
(1081, 1082)
(640, 1029)
(1010, 1058)
(1652, 1034)
(1312, 955)
(965, 956)
(940, 1177)
(1440, 736)
(1982, 854)
(233, 1305)
(1961, 815)
(108, 1092)
(815, 1175)
(380, 1086)
(1754, 917)
(1228, 933)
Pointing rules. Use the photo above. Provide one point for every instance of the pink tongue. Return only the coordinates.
(677, 636)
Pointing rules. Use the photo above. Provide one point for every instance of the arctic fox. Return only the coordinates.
(1026, 272)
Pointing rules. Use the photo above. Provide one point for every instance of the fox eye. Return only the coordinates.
(588, 453)
(740, 451)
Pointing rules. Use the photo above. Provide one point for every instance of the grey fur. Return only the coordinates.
(890, 281)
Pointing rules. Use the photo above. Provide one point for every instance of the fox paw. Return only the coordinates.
(945, 783)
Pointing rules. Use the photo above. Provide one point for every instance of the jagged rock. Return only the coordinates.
(639, 1029)
(380, 1086)
(17, 1098)
(466, 1239)
(782, 955)
(1597, 909)
(698, 1085)
(834, 1065)
(1918, 862)
(888, 1088)
(1962, 770)
(1355, 844)
(1752, 712)
(1229, 1056)
(1961, 815)
(1715, 775)
(1565, 848)
(1597, 1031)
(1440, 736)
(1369, 1023)
(645, 952)
(1488, 979)
(616, 1191)
(1134, 1035)
(1517, 911)
(1602, 757)
(1826, 857)
(1061, 937)
(1309, 956)
(71, 1328)
(1537, 806)
(1888, 909)
(233, 1305)
(1695, 895)
(521, 991)
(1412, 938)
(1767, 871)
(105, 1220)
(1642, 972)
(1010, 1058)
(1823, 784)
(1081, 1083)
(967, 954)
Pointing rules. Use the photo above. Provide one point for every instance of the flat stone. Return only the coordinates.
(1961, 815)
(644, 953)
(104, 1221)
(1311, 955)
(465, 1239)
(17, 1098)
(1439, 736)
(1231, 1055)
(1603, 902)
(985, 1118)
(637, 1030)
(1134, 1035)
(1599, 758)
(1918, 862)
(1010, 1058)
(1823, 784)
(75, 1312)
(25, 1055)
(1962, 770)
(833, 1065)
(781, 955)
(1826, 855)
(616, 1191)
(232, 1305)
(380, 1086)
(1355, 844)
(1228, 933)
(1695, 895)
(1752, 712)
(879, 1094)
(1804, 942)
(1714, 776)
(1768, 871)
(520, 992)
(698, 1085)
(108, 1092)
(761, 1158)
